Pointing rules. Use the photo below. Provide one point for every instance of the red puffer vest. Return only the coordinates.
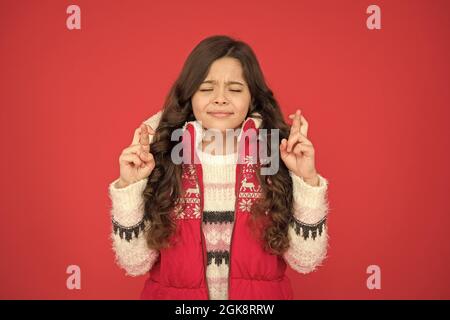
(180, 272)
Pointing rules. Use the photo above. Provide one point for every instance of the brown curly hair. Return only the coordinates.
(164, 184)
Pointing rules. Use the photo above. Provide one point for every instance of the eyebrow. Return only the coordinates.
(228, 82)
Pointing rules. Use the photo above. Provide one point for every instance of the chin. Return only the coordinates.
(222, 125)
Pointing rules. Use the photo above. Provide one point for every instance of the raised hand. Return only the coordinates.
(297, 152)
(136, 162)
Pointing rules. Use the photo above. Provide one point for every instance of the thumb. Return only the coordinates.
(283, 148)
(145, 169)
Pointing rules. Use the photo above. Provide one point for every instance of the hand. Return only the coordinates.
(297, 152)
(136, 161)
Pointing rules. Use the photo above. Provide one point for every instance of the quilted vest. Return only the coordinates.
(180, 272)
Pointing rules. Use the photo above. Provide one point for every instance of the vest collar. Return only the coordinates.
(196, 130)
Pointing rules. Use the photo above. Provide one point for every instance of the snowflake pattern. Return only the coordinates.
(249, 160)
(179, 211)
(249, 190)
(245, 205)
(196, 211)
(189, 172)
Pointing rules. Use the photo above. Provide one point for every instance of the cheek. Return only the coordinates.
(198, 103)
(242, 105)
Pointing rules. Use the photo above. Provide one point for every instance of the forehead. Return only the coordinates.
(226, 68)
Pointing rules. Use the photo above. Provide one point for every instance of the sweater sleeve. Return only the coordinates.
(128, 225)
(308, 229)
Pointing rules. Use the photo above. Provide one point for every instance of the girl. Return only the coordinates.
(214, 226)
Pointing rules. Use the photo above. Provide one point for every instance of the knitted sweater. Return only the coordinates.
(307, 232)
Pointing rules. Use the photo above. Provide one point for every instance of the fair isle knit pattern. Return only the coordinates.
(218, 217)
(307, 231)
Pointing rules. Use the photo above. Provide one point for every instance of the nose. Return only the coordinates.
(220, 102)
(220, 99)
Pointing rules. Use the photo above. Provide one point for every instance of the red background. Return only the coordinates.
(377, 102)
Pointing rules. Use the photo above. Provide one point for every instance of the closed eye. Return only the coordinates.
(212, 90)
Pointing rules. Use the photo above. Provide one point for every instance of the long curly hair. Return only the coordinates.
(164, 184)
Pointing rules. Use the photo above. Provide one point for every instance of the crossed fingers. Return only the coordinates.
(298, 133)
(142, 136)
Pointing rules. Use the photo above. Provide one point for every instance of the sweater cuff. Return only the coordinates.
(310, 203)
(128, 202)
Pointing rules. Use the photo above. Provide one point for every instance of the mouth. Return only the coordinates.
(220, 114)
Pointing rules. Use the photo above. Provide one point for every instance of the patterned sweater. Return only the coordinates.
(307, 232)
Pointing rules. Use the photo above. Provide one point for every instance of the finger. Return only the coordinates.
(140, 151)
(135, 148)
(304, 126)
(136, 136)
(137, 133)
(303, 149)
(131, 158)
(283, 148)
(144, 137)
(296, 122)
(294, 138)
(146, 156)
(148, 161)
(147, 166)
(283, 144)
(147, 134)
